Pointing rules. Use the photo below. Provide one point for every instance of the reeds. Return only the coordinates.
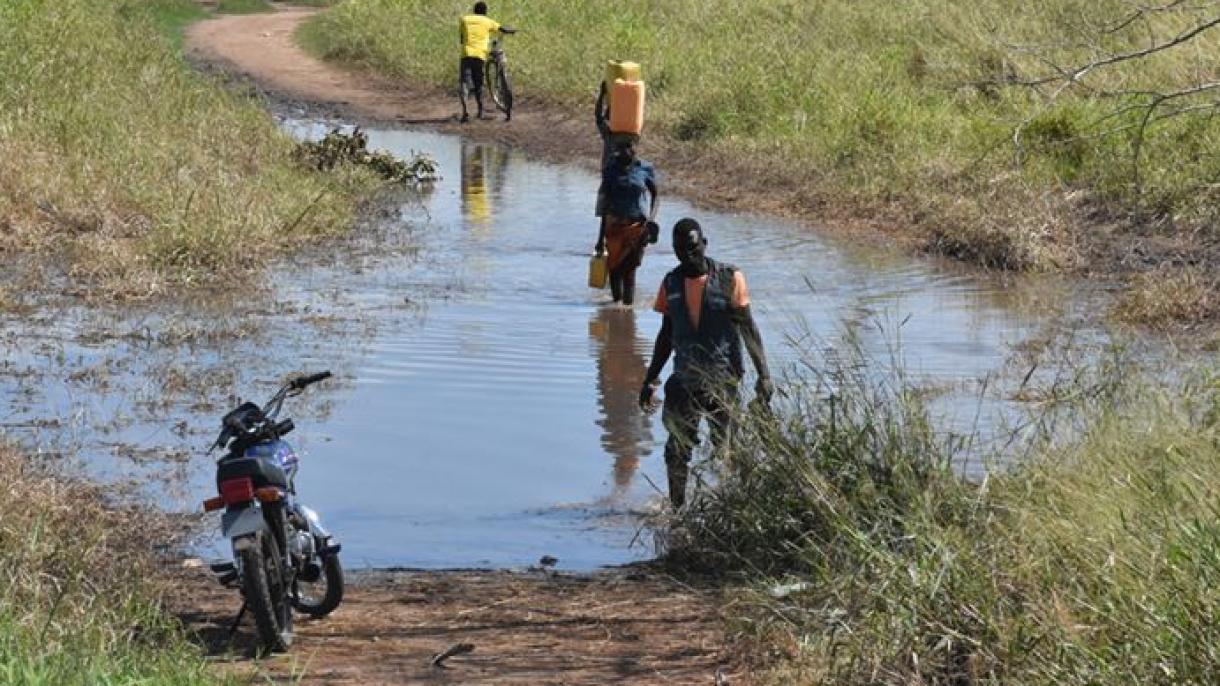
(1095, 560)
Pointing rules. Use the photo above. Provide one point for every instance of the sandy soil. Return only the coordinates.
(535, 627)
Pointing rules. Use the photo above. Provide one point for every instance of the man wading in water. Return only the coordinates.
(474, 31)
(626, 225)
(705, 307)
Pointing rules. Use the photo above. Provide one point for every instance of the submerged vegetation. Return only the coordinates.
(337, 148)
(1095, 560)
(79, 604)
(135, 173)
(1013, 135)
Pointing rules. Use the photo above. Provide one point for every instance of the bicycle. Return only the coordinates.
(499, 86)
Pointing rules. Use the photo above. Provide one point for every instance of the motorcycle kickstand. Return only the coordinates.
(236, 622)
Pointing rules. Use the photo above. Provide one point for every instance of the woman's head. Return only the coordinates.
(624, 152)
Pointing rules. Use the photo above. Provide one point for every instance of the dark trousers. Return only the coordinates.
(470, 80)
(686, 404)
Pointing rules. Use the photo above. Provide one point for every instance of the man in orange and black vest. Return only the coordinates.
(705, 308)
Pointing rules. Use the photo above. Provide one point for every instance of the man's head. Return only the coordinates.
(480, 7)
(690, 246)
(624, 153)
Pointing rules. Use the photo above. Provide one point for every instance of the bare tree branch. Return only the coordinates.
(1075, 74)
(1152, 100)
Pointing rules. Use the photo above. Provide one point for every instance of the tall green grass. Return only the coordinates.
(889, 104)
(78, 604)
(1095, 560)
(133, 171)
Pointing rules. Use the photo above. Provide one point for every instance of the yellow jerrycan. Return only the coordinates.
(620, 69)
(597, 270)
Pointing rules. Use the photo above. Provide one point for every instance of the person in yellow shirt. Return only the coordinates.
(475, 32)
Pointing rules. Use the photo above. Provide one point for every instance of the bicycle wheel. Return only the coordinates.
(498, 86)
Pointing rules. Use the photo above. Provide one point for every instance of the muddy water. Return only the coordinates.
(484, 412)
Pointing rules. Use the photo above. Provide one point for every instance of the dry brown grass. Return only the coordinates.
(79, 593)
(1168, 297)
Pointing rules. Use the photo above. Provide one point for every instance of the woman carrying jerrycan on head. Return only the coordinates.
(627, 223)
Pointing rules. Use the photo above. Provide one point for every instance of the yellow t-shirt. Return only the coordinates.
(476, 31)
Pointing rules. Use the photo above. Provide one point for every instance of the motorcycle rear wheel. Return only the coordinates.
(332, 575)
(261, 582)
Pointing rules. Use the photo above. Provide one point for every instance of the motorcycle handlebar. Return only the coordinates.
(303, 381)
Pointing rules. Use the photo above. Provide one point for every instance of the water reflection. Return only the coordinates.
(482, 169)
(626, 432)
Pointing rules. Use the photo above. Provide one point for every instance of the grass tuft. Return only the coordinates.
(1164, 299)
(243, 6)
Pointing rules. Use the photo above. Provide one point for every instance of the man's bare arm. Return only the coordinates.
(744, 320)
(661, 350)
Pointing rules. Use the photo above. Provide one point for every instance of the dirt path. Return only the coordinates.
(624, 627)
(261, 47)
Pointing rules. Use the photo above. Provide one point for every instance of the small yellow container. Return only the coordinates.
(619, 69)
(597, 270)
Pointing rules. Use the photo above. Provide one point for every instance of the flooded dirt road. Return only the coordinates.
(484, 411)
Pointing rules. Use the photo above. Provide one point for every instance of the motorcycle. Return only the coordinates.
(283, 558)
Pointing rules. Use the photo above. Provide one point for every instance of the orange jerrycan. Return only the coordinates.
(627, 106)
(597, 270)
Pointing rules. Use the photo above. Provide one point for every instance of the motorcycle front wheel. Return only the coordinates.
(263, 587)
(321, 597)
